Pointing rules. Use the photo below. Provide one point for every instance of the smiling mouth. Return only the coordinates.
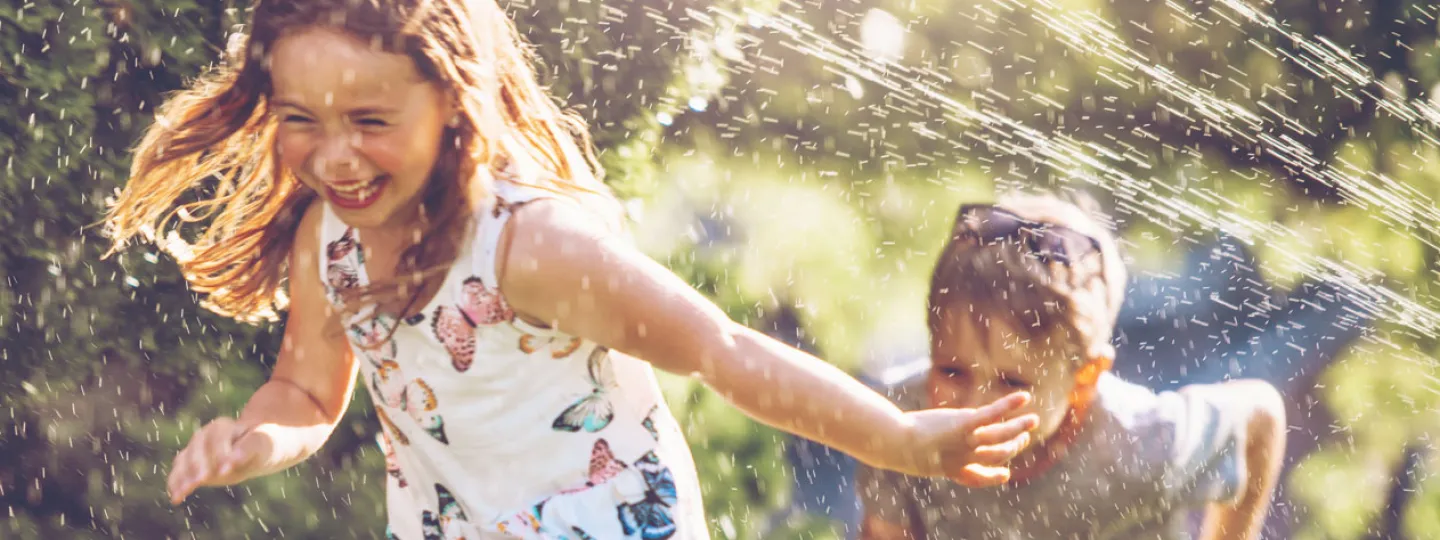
(356, 195)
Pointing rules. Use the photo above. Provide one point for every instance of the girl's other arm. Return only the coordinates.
(559, 269)
(291, 415)
(1264, 455)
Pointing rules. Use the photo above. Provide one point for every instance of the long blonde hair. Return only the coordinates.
(210, 159)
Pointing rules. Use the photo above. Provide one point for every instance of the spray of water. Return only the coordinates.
(1399, 205)
(921, 91)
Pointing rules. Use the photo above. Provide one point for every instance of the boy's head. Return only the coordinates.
(1024, 297)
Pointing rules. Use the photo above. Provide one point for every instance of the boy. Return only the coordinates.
(1025, 297)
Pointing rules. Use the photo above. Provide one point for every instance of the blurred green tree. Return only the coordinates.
(814, 171)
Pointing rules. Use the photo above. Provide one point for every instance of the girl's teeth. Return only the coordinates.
(357, 190)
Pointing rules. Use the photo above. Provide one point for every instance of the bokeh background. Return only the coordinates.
(1270, 167)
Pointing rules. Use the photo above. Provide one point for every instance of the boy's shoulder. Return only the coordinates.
(1138, 432)
(1170, 424)
(1141, 457)
(1133, 432)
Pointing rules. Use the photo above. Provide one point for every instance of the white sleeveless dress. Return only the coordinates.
(494, 428)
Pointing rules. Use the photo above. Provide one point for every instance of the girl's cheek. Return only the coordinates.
(292, 150)
(384, 154)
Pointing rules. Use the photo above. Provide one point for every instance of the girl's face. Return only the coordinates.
(360, 126)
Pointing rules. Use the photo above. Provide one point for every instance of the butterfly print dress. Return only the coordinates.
(495, 428)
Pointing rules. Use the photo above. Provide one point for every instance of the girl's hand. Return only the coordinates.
(222, 453)
(970, 446)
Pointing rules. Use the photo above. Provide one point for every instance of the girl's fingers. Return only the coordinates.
(998, 409)
(199, 462)
(182, 476)
(999, 454)
(179, 472)
(977, 476)
(217, 453)
(1001, 432)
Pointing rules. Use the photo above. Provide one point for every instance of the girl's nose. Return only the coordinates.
(336, 158)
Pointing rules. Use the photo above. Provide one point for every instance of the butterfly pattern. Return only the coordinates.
(652, 517)
(454, 325)
(342, 247)
(649, 423)
(648, 515)
(594, 411)
(340, 272)
(392, 465)
(448, 522)
(522, 525)
(389, 384)
(616, 497)
(603, 467)
(414, 397)
(389, 426)
(372, 336)
(559, 346)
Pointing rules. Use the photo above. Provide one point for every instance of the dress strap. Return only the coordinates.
(494, 215)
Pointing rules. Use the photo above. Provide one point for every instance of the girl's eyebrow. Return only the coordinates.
(282, 102)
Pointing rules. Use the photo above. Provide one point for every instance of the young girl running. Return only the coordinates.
(439, 225)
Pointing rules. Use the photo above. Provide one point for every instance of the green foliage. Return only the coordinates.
(836, 194)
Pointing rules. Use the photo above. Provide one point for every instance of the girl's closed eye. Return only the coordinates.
(295, 119)
(372, 123)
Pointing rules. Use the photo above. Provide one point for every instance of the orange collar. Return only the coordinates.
(1029, 468)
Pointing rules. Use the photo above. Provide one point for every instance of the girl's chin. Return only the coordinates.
(383, 214)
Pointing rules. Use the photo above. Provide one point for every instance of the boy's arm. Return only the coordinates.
(557, 266)
(1264, 449)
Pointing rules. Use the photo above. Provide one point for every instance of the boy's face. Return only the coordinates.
(974, 365)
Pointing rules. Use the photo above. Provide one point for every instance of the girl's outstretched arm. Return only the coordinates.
(292, 414)
(559, 268)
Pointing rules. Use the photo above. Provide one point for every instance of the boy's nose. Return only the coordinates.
(963, 398)
(980, 397)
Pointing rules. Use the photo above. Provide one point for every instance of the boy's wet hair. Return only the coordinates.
(1037, 264)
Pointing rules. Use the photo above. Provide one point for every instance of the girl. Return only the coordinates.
(440, 227)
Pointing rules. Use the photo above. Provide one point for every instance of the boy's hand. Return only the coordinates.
(970, 446)
(222, 453)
